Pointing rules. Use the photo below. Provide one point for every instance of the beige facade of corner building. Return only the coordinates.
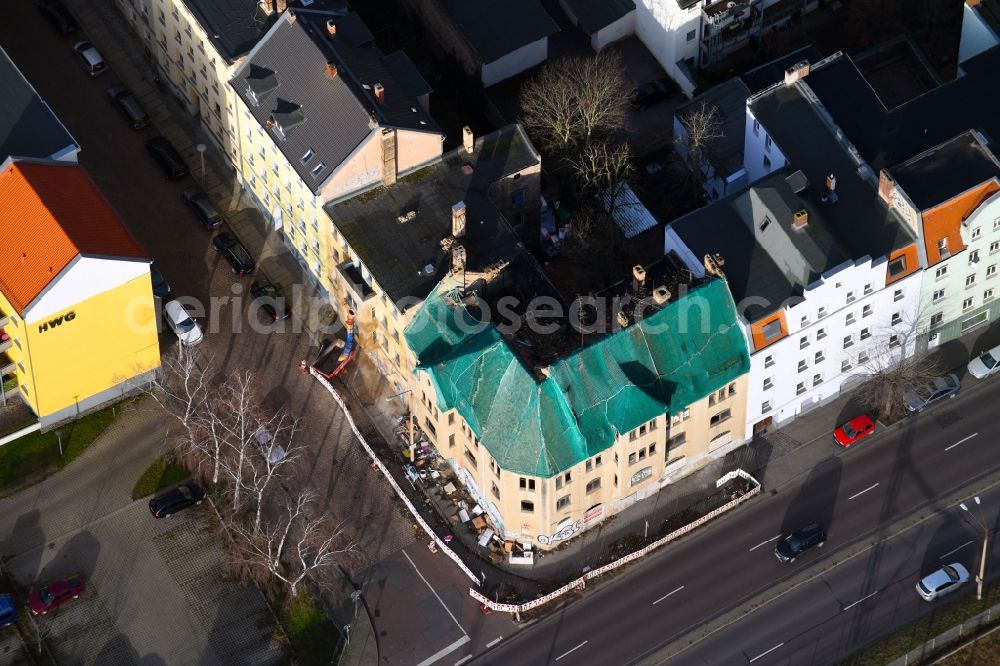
(547, 511)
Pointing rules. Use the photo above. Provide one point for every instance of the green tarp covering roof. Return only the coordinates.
(670, 359)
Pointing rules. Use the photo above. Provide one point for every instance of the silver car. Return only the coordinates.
(182, 324)
(930, 392)
(941, 582)
(985, 364)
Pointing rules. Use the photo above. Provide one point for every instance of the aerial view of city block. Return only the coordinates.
(499, 332)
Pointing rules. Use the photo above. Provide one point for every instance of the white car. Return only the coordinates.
(985, 364)
(181, 323)
(941, 582)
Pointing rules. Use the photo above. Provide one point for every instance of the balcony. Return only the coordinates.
(728, 24)
(7, 366)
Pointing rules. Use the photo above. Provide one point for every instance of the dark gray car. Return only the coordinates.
(930, 392)
(129, 106)
(198, 200)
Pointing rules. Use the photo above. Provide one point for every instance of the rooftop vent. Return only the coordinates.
(714, 263)
(801, 220)
(661, 295)
(379, 92)
(458, 219)
(468, 139)
(799, 70)
(331, 70)
(797, 181)
(266, 6)
(331, 27)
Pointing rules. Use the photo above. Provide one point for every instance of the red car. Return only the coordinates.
(857, 428)
(55, 594)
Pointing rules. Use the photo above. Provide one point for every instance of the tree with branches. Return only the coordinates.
(574, 101)
(288, 547)
(602, 166)
(702, 130)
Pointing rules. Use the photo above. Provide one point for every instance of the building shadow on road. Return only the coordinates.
(816, 499)
(79, 553)
(944, 540)
(25, 543)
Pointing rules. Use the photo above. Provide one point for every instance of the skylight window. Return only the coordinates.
(309, 154)
(317, 169)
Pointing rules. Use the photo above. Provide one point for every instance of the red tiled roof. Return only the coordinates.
(49, 214)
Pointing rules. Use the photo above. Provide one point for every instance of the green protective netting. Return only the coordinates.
(669, 360)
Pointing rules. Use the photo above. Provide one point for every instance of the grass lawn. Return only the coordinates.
(313, 636)
(938, 620)
(159, 475)
(33, 457)
(985, 650)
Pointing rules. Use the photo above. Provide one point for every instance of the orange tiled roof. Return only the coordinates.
(49, 214)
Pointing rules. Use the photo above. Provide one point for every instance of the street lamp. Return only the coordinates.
(201, 151)
(986, 538)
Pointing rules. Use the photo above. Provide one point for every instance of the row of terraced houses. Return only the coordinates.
(840, 235)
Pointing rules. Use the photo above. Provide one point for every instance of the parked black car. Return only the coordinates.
(654, 92)
(234, 252)
(799, 542)
(129, 106)
(167, 157)
(271, 300)
(198, 201)
(161, 289)
(58, 16)
(181, 497)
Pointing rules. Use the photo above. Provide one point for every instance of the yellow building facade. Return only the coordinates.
(76, 302)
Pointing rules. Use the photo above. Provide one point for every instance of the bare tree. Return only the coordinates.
(288, 547)
(277, 449)
(601, 167)
(574, 101)
(702, 129)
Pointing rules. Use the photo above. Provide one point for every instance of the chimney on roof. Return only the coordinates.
(458, 258)
(458, 220)
(638, 281)
(266, 6)
(280, 5)
(801, 220)
(831, 183)
(331, 27)
(379, 91)
(799, 70)
(714, 263)
(544, 371)
(331, 71)
(468, 140)
(661, 295)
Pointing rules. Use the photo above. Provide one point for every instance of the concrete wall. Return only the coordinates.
(416, 148)
(663, 27)
(761, 156)
(515, 62)
(613, 32)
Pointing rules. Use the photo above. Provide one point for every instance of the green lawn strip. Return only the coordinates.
(33, 457)
(313, 636)
(940, 619)
(160, 474)
(986, 650)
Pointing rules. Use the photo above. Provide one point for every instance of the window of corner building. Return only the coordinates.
(568, 477)
(652, 449)
(471, 458)
(897, 266)
(690, 35)
(764, 223)
(652, 425)
(772, 330)
(642, 453)
(451, 418)
(527, 507)
(495, 490)
(632, 458)
(616, 480)
(943, 247)
(732, 389)
(451, 441)
(642, 430)
(559, 483)
(593, 485)
(721, 417)
(678, 439)
(562, 502)
(590, 465)
(24, 389)
(597, 461)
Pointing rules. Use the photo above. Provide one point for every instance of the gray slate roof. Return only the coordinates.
(28, 127)
(234, 26)
(594, 15)
(766, 75)
(494, 28)
(396, 253)
(945, 171)
(336, 111)
(730, 98)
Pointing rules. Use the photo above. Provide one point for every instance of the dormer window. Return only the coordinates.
(261, 82)
(316, 170)
(308, 155)
(285, 118)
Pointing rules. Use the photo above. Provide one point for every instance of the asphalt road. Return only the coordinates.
(651, 613)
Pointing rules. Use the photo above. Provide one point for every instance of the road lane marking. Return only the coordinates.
(434, 592)
(494, 641)
(667, 595)
(862, 492)
(572, 651)
(859, 601)
(964, 439)
(464, 659)
(764, 654)
(956, 549)
(764, 543)
(444, 652)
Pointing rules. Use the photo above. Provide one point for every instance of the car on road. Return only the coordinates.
(161, 289)
(854, 430)
(172, 501)
(799, 542)
(271, 300)
(925, 395)
(58, 16)
(167, 157)
(55, 594)
(129, 106)
(944, 580)
(91, 60)
(235, 253)
(985, 364)
(8, 611)
(198, 201)
(182, 324)
(652, 93)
